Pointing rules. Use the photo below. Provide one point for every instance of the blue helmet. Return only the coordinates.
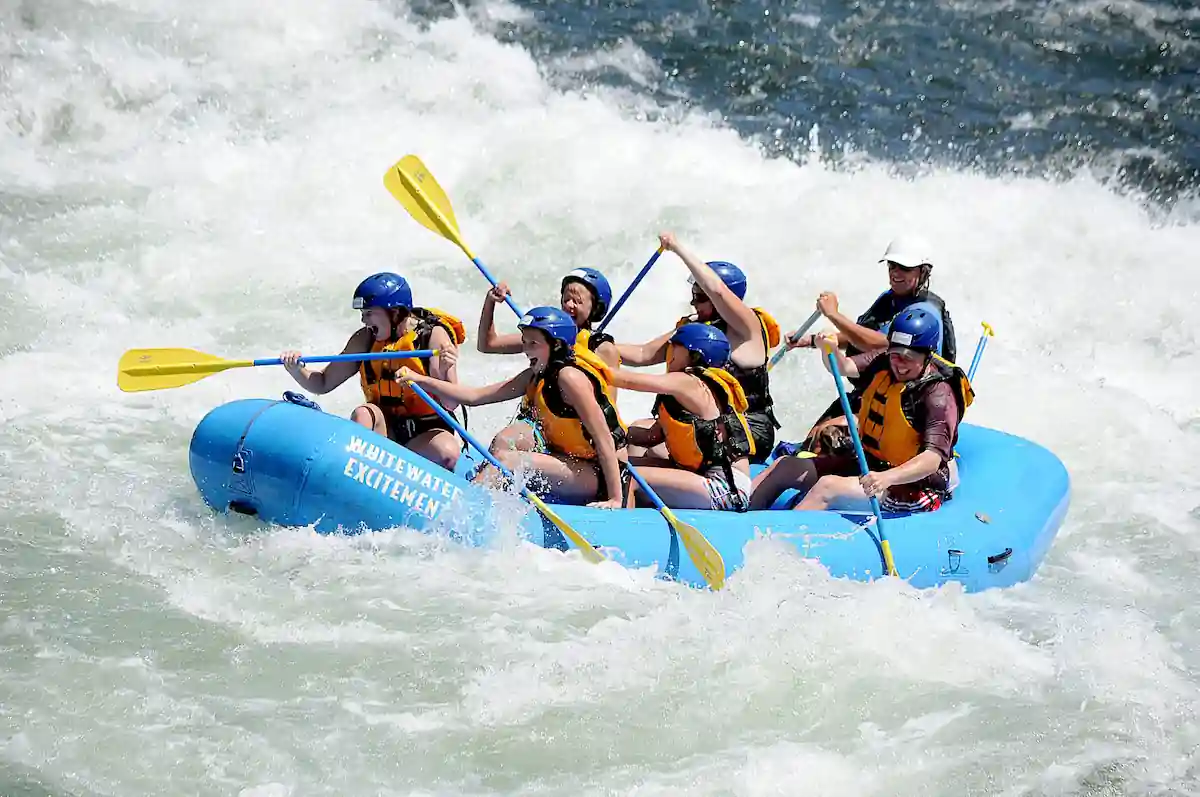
(597, 284)
(733, 277)
(385, 290)
(915, 327)
(551, 320)
(706, 341)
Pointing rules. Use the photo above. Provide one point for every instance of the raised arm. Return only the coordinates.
(323, 380)
(742, 321)
(487, 340)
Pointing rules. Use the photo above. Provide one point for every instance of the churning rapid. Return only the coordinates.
(209, 175)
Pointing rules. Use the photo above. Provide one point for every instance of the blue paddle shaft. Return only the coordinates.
(637, 477)
(978, 355)
(645, 270)
(779, 355)
(338, 358)
(507, 299)
(450, 419)
(852, 423)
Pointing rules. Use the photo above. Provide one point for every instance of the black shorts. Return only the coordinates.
(762, 431)
(847, 465)
(602, 488)
(402, 429)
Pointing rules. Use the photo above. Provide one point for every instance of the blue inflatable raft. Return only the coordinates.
(293, 465)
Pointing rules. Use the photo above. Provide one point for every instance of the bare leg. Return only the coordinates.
(678, 488)
(785, 473)
(517, 436)
(844, 491)
(438, 446)
(370, 416)
(574, 481)
(658, 452)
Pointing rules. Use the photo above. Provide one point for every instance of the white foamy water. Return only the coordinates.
(209, 175)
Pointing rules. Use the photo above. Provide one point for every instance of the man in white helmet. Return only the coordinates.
(909, 264)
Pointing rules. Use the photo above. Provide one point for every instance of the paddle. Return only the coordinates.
(983, 337)
(415, 187)
(159, 369)
(779, 355)
(645, 270)
(589, 552)
(704, 556)
(885, 549)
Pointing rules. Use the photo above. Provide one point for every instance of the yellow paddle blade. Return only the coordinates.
(589, 553)
(159, 369)
(418, 191)
(704, 556)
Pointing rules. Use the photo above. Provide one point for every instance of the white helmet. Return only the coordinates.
(909, 251)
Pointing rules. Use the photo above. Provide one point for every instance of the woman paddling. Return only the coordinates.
(392, 323)
(718, 293)
(585, 296)
(566, 390)
(700, 417)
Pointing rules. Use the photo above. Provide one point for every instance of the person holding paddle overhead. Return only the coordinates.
(566, 389)
(585, 296)
(908, 420)
(909, 265)
(700, 418)
(392, 323)
(718, 293)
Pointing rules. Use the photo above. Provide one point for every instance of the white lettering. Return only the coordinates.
(378, 479)
(420, 504)
(350, 463)
(427, 481)
(373, 452)
(413, 472)
(395, 491)
(391, 459)
(387, 484)
(363, 470)
(357, 446)
(432, 508)
(408, 495)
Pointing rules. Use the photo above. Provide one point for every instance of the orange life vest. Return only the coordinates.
(887, 418)
(378, 377)
(754, 381)
(698, 444)
(561, 427)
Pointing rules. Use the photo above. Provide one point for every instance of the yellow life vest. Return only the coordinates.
(886, 419)
(586, 342)
(755, 382)
(378, 377)
(561, 427)
(697, 444)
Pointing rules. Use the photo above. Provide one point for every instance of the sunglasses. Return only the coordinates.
(892, 264)
(907, 355)
(699, 296)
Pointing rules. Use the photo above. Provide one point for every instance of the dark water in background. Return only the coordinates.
(1043, 87)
